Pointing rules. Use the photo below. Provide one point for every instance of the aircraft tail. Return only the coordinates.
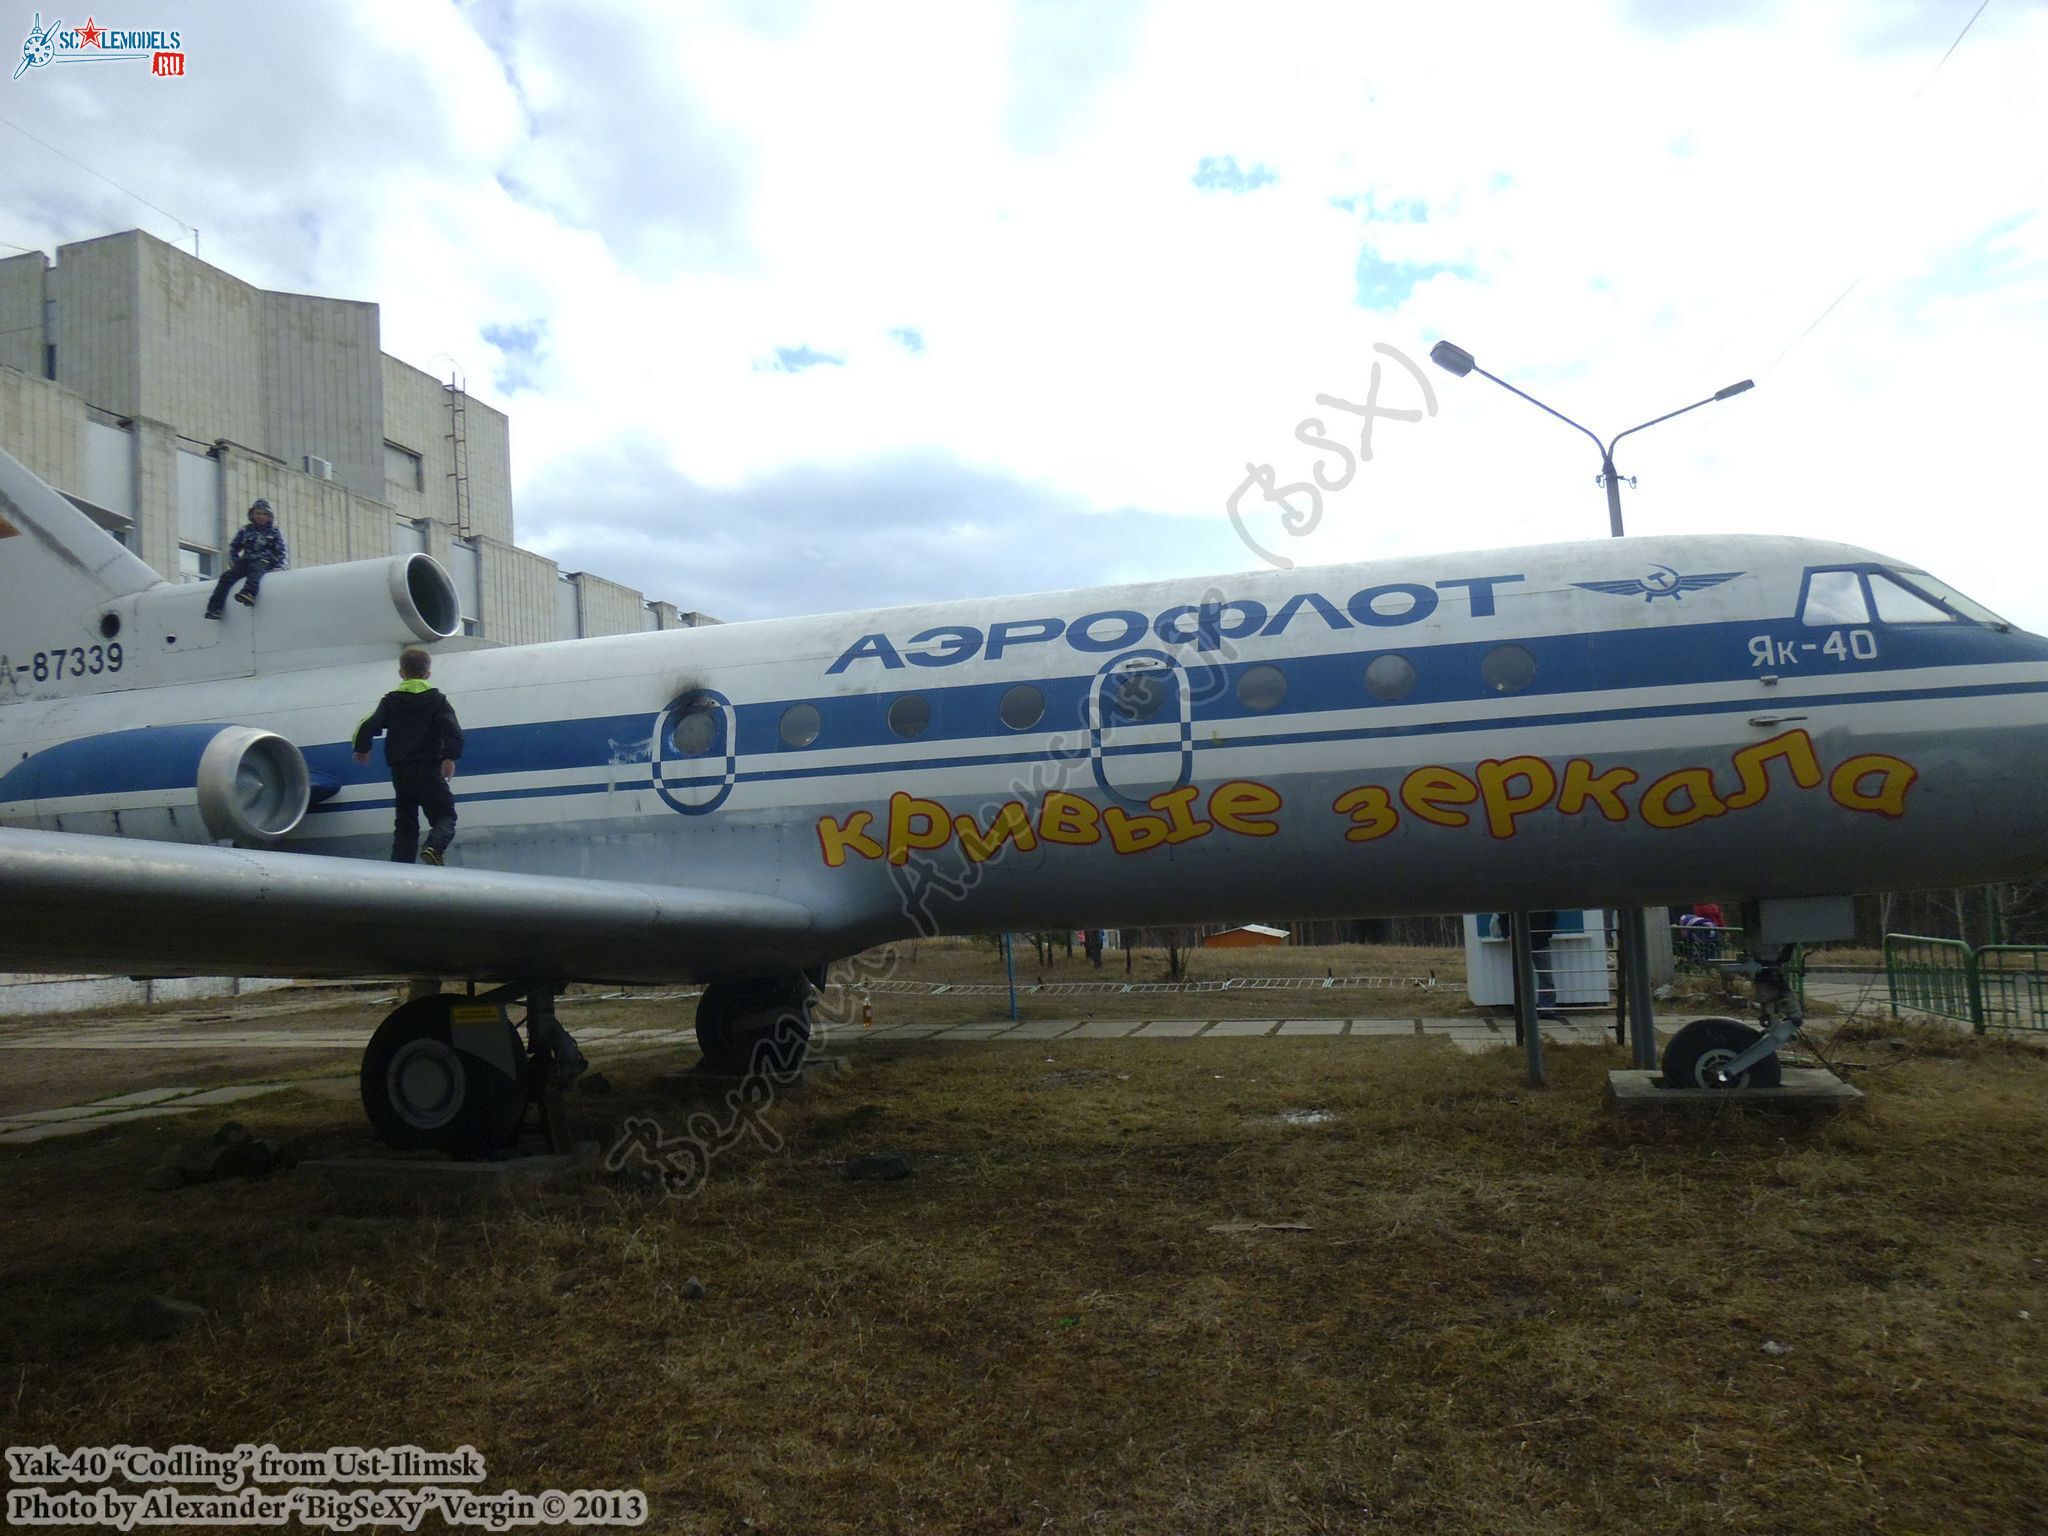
(59, 572)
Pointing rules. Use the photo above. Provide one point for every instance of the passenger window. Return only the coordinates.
(909, 715)
(1263, 687)
(1834, 597)
(1390, 678)
(1022, 707)
(1898, 604)
(696, 729)
(800, 725)
(1508, 668)
(1138, 694)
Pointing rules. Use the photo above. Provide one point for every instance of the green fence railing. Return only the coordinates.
(2012, 985)
(2000, 986)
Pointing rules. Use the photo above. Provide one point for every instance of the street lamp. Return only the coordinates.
(1631, 925)
(1456, 360)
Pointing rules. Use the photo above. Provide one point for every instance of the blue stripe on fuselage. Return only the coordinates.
(1446, 674)
(1080, 753)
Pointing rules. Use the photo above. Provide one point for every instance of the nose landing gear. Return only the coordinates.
(1727, 1053)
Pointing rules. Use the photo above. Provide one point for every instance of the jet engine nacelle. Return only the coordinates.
(170, 783)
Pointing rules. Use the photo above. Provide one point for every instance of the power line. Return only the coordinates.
(1952, 47)
(1814, 324)
(128, 191)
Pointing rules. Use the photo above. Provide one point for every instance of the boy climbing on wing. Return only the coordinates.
(422, 744)
(256, 551)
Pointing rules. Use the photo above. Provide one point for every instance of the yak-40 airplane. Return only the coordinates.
(1616, 723)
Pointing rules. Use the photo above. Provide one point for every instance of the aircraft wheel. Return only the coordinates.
(755, 1025)
(427, 1082)
(1704, 1046)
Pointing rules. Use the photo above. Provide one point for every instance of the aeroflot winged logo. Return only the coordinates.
(93, 43)
(1661, 582)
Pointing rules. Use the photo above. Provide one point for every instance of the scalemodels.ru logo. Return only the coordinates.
(95, 44)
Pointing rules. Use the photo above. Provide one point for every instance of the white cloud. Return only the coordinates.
(1621, 208)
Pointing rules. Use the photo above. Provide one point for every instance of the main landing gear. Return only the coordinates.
(450, 1072)
(761, 1026)
(1727, 1053)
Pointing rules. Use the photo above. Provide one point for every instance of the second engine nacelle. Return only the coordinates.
(171, 783)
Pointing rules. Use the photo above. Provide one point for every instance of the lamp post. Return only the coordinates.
(1456, 360)
(1631, 927)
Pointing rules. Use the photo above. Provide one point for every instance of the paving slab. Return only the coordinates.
(22, 1134)
(1104, 1029)
(230, 1095)
(1171, 1029)
(1382, 1029)
(1240, 1027)
(1311, 1026)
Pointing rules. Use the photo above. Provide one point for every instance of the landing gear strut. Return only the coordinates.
(763, 1026)
(1727, 1053)
(451, 1072)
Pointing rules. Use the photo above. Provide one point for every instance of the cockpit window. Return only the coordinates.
(1834, 597)
(1897, 603)
(1949, 598)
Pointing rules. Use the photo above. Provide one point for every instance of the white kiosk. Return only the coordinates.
(1577, 960)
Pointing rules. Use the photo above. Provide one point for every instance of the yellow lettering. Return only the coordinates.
(1582, 784)
(1234, 807)
(1372, 813)
(1011, 824)
(1794, 749)
(1888, 799)
(1502, 806)
(915, 822)
(1067, 818)
(835, 839)
(1427, 791)
(1133, 834)
(1178, 804)
(1700, 799)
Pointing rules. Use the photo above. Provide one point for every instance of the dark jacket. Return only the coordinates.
(418, 723)
(260, 546)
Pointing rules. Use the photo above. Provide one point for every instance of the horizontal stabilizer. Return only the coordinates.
(206, 911)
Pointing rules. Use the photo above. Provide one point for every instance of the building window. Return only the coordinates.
(197, 564)
(402, 469)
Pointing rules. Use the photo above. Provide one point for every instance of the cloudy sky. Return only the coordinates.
(805, 306)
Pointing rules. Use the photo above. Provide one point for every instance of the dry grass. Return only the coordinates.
(1511, 1313)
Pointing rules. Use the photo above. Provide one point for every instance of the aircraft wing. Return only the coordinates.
(76, 903)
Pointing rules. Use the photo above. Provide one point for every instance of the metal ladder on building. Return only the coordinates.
(458, 450)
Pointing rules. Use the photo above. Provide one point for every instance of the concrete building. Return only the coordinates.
(163, 395)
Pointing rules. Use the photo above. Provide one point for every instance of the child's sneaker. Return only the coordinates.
(245, 600)
(214, 614)
(430, 856)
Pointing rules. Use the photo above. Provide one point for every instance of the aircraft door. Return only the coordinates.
(695, 759)
(1139, 726)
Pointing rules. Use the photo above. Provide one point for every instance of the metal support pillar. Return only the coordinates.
(1635, 959)
(1526, 1023)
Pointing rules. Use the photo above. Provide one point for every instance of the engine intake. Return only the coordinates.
(173, 783)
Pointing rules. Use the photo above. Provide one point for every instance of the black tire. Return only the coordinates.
(763, 1026)
(1697, 1051)
(421, 1090)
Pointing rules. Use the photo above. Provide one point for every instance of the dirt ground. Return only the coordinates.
(1136, 1286)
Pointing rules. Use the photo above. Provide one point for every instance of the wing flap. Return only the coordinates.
(70, 902)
